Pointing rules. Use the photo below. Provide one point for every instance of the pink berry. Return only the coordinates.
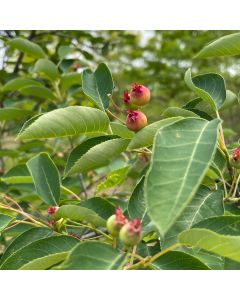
(136, 120)
(139, 95)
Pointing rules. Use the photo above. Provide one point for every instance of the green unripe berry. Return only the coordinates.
(116, 222)
(130, 234)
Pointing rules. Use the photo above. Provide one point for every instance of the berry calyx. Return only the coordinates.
(116, 222)
(130, 234)
(51, 210)
(136, 120)
(139, 95)
(126, 97)
(235, 158)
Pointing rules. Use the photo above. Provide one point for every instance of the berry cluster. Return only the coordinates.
(138, 97)
(235, 158)
(129, 232)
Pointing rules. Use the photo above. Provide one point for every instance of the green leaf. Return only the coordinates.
(46, 178)
(224, 245)
(79, 214)
(101, 206)
(37, 91)
(226, 225)
(182, 153)
(9, 113)
(62, 122)
(121, 130)
(93, 255)
(177, 260)
(210, 87)
(63, 51)
(136, 204)
(40, 254)
(86, 157)
(144, 137)
(5, 220)
(25, 239)
(97, 85)
(28, 47)
(231, 100)
(47, 69)
(115, 177)
(18, 174)
(18, 83)
(205, 204)
(178, 112)
(70, 79)
(228, 45)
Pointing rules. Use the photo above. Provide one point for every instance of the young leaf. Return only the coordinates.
(9, 113)
(27, 47)
(97, 85)
(40, 254)
(62, 122)
(144, 138)
(228, 45)
(205, 204)
(47, 69)
(210, 87)
(18, 174)
(79, 214)
(18, 83)
(70, 79)
(100, 256)
(86, 157)
(182, 153)
(224, 245)
(37, 91)
(115, 177)
(46, 178)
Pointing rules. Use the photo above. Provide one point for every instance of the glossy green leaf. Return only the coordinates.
(136, 204)
(231, 100)
(5, 220)
(94, 255)
(97, 85)
(210, 87)
(79, 214)
(182, 153)
(92, 157)
(9, 113)
(40, 254)
(62, 122)
(46, 69)
(25, 239)
(70, 79)
(121, 130)
(205, 204)
(46, 178)
(28, 47)
(228, 45)
(37, 91)
(177, 260)
(114, 178)
(18, 83)
(144, 137)
(224, 245)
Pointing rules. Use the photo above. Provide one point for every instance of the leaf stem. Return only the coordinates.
(115, 117)
(70, 192)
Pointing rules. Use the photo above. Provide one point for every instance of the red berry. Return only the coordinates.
(51, 210)
(130, 234)
(116, 222)
(126, 97)
(139, 95)
(235, 158)
(136, 120)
